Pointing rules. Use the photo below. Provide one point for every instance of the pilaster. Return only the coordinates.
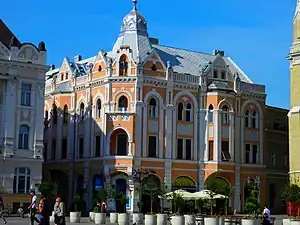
(231, 135)
(217, 136)
(169, 133)
(59, 136)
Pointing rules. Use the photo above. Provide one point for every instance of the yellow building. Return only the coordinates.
(179, 115)
(294, 113)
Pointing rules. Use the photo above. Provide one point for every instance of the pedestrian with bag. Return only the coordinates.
(59, 212)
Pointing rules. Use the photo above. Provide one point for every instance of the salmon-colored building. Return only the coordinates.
(182, 116)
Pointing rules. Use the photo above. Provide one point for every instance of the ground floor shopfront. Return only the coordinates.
(87, 177)
(17, 177)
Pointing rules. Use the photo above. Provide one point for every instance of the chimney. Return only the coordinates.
(77, 58)
(52, 67)
(154, 41)
(218, 52)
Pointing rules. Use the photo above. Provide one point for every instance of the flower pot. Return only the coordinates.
(123, 219)
(211, 221)
(189, 219)
(113, 217)
(100, 218)
(200, 220)
(250, 222)
(221, 221)
(293, 222)
(286, 222)
(150, 219)
(161, 219)
(75, 217)
(228, 221)
(92, 216)
(137, 218)
(177, 220)
(51, 219)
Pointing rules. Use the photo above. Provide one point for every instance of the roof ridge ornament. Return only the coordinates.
(134, 4)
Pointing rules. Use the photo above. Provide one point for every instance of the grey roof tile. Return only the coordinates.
(63, 88)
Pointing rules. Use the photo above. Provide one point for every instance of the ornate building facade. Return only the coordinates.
(177, 115)
(22, 78)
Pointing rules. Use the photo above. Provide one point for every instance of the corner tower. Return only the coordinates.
(294, 113)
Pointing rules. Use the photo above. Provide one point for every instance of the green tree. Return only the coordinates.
(251, 204)
(291, 193)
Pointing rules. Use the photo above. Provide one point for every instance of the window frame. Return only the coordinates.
(16, 180)
(189, 112)
(22, 138)
(156, 146)
(26, 95)
(225, 115)
(186, 149)
(180, 112)
(124, 108)
(153, 109)
(181, 150)
(98, 108)
(210, 116)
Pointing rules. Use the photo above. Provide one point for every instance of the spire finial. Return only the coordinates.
(134, 4)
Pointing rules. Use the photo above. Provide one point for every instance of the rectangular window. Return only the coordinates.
(255, 154)
(215, 75)
(273, 159)
(223, 75)
(98, 146)
(210, 150)
(225, 151)
(53, 152)
(81, 147)
(64, 148)
(179, 148)
(210, 116)
(152, 142)
(26, 94)
(45, 153)
(188, 149)
(247, 156)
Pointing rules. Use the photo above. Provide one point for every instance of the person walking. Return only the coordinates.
(1, 210)
(266, 216)
(33, 207)
(59, 212)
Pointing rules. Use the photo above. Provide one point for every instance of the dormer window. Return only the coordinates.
(223, 75)
(153, 68)
(123, 66)
(215, 73)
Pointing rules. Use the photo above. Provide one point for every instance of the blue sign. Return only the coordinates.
(128, 202)
(99, 183)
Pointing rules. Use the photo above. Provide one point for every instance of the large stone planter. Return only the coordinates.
(228, 221)
(123, 219)
(113, 217)
(75, 217)
(137, 218)
(100, 218)
(177, 220)
(250, 222)
(221, 221)
(200, 220)
(150, 219)
(92, 216)
(292, 222)
(51, 219)
(189, 219)
(161, 219)
(211, 221)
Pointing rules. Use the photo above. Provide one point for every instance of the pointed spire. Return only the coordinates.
(297, 7)
(134, 4)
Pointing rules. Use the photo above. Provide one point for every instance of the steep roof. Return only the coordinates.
(6, 34)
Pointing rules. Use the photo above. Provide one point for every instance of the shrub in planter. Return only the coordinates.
(75, 216)
(291, 195)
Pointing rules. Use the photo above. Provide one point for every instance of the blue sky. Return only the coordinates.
(257, 34)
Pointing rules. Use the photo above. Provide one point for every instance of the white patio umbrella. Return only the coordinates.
(207, 194)
(184, 194)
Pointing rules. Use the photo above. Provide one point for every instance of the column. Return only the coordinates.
(71, 185)
(237, 188)
(86, 176)
(145, 126)
(10, 124)
(261, 140)
(130, 148)
(168, 180)
(70, 140)
(161, 131)
(59, 135)
(217, 136)
(87, 126)
(231, 135)
(138, 129)
(203, 146)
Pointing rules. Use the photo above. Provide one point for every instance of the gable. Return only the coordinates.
(65, 66)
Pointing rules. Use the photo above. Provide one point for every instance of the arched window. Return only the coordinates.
(23, 137)
(81, 112)
(180, 111)
(123, 66)
(54, 111)
(98, 108)
(210, 113)
(254, 120)
(65, 115)
(123, 104)
(247, 118)
(21, 180)
(188, 112)
(225, 114)
(153, 113)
